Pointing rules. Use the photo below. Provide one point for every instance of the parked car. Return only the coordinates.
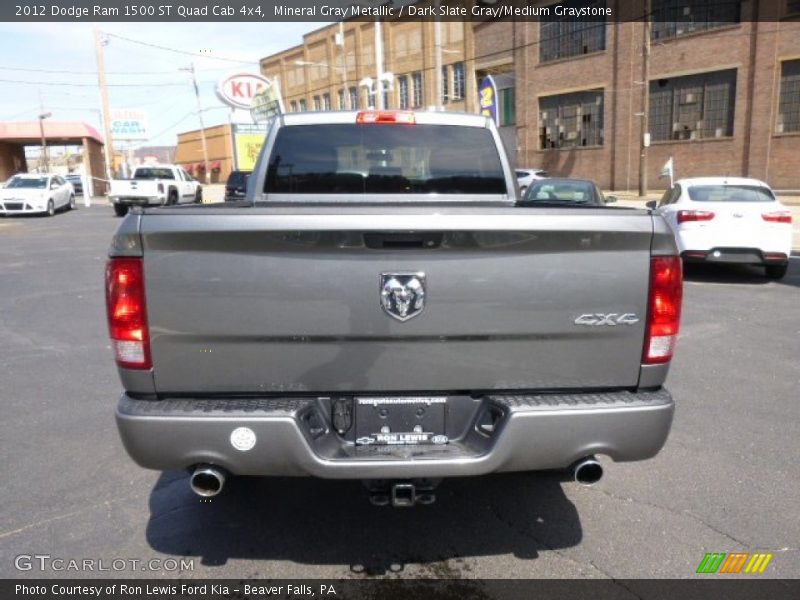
(236, 186)
(729, 220)
(578, 192)
(77, 182)
(155, 185)
(30, 193)
(526, 176)
(395, 319)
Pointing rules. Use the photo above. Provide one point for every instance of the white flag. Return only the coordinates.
(667, 170)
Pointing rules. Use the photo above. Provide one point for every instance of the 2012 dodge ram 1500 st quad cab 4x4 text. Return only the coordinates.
(379, 309)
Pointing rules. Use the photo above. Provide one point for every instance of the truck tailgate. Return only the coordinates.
(257, 300)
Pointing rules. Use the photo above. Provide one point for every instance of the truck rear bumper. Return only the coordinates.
(137, 200)
(293, 436)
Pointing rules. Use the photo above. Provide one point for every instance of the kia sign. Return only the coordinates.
(239, 89)
(128, 124)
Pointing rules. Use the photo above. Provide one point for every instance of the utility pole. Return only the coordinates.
(190, 69)
(340, 43)
(43, 159)
(108, 149)
(437, 48)
(378, 65)
(644, 142)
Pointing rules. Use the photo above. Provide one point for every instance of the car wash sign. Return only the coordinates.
(128, 124)
(238, 89)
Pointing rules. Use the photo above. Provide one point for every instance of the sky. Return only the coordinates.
(139, 76)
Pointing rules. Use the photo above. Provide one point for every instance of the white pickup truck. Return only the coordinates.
(155, 185)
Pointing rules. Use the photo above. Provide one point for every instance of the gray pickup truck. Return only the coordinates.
(379, 308)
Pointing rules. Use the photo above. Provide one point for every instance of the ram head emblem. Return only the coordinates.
(402, 294)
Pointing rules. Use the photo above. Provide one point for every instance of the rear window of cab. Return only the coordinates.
(730, 193)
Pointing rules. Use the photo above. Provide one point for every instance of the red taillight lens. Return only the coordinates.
(386, 117)
(686, 216)
(664, 311)
(127, 313)
(777, 217)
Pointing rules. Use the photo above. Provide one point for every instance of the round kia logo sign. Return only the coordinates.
(237, 90)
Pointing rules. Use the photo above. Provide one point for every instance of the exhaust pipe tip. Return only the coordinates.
(207, 481)
(588, 471)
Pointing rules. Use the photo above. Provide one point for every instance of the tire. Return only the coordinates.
(51, 208)
(172, 199)
(120, 210)
(776, 271)
(71, 205)
(198, 196)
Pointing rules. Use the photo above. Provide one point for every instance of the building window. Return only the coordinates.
(693, 107)
(341, 95)
(674, 18)
(416, 79)
(293, 105)
(445, 84)
(317, 103)
(507, 108)
(402, 91)
(459, 82)
(789, 100)
(571, 120)
(353, 98)
(303, 105)
(326, 102)
(562, 37)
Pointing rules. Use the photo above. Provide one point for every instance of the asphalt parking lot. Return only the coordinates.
(728, 479)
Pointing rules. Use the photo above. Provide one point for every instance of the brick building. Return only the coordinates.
(724, 88)
(326, 71)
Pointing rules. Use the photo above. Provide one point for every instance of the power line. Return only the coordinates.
(94, 73)
(176, 51)
(71, 84)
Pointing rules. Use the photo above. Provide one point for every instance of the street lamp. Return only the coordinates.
(342, 69)
(44, 159)
(376, 87)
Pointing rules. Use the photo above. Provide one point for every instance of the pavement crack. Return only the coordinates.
(526, 533)
(680, 513)
(69, 515)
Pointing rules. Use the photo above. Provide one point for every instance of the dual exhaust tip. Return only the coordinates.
(208, 481)
(587, 471)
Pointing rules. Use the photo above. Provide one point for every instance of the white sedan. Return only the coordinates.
(28, 193)
(729, 219)
(525, 177)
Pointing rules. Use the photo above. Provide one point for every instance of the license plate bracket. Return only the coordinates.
(400, 420)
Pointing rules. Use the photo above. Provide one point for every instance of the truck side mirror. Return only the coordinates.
(651, 205)
(610, 199)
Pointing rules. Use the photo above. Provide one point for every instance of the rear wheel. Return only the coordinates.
(71, 205)
(776, 271)
(51, 208)
(120, 210)
(173, 198)
(198, 196)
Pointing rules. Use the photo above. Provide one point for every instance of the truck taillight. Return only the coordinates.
(777, 217)
(386, 117)
(686, 216)
(127, 313)
(664, 309)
